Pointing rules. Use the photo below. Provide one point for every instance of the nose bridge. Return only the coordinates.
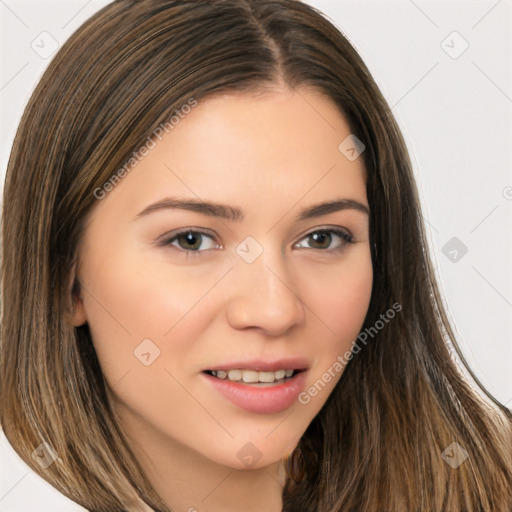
(265, 296)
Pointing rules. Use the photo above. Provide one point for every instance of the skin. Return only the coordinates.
(272, 155)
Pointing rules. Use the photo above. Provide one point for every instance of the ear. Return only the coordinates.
(76, 316)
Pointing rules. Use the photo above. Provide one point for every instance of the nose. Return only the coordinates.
(264, 297)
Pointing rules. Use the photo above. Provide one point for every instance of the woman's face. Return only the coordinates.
(269, 281)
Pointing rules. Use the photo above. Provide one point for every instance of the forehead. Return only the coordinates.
(279, 146)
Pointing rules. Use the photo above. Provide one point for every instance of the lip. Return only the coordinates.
(264, 365)
(261, 400)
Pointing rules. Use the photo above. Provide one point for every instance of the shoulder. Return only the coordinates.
(22, 489)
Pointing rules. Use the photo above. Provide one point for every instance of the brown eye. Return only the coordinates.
(325, 238)
(191, 241)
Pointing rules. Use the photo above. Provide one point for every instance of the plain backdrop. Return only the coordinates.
(446, 70)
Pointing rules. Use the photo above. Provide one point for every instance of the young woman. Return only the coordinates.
(216, 288)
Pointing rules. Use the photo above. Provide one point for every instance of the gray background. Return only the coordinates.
(454, 105)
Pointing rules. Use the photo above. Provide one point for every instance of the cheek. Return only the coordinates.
(341, 305)
(343, 299)
(129, 301)
(346, 305)
(149, 314)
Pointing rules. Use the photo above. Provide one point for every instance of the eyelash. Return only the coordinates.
(346, 238)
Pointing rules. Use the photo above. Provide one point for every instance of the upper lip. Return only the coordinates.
(264, 365)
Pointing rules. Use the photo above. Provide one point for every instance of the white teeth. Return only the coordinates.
(234, 375)
(269, 376)
(252, 376)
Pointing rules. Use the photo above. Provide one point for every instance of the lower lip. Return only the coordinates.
(262, 400)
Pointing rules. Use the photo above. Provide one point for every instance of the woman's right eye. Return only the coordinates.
(190, 241)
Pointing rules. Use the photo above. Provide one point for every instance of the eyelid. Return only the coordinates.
(180, 231)
(326, 228)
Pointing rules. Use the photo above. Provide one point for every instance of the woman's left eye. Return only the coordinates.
(323, 239)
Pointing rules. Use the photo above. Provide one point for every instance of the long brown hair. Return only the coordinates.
(378, 442)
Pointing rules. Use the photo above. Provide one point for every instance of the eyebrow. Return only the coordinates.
(235, 213)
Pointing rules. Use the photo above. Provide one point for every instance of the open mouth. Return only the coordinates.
(254, 377)
(256, 390)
